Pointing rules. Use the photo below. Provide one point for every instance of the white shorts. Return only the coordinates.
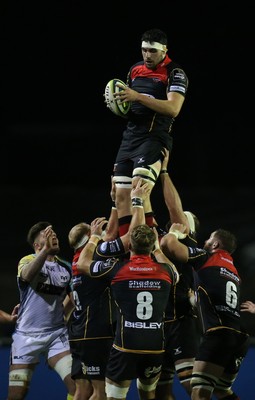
(26, 348)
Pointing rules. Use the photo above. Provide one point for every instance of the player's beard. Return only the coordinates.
(55, 251)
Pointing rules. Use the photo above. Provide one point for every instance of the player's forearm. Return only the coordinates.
(165, 107)
(30, 270)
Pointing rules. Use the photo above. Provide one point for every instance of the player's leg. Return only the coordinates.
(164, 390)
(122, 179)
(116, 390)
(83, 389)
(204, 379)
(147, 387)
(21, 370)
(20, 376)
(62, 364)
(224, 387)
(59, 358)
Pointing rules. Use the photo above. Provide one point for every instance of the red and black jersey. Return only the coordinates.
(179, 304)
(218, 289)
(155, 83)
(148, 132)
(94, 314)
(140, 288)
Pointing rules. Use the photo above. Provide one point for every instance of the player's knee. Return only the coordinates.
(63, 366)
(20, 377)
(115, 391)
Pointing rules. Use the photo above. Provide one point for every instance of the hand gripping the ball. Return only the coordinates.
(113, 102)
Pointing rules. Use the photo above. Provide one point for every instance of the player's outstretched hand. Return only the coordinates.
(141, 190)
(248, 306)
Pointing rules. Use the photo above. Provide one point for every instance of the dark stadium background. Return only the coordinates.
(59, 141)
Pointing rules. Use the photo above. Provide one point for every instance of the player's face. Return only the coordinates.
(209, 243)
(51, 237)
(152, 57)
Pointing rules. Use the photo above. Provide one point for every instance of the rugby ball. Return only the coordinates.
(114, 104)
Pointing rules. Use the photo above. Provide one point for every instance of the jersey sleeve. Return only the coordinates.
(99, 269)
(24, 261)
(178, 81)
(197, 257)
(112, 248)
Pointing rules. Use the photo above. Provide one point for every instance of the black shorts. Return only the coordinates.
(131, 156)
(181, 340)
(90, 358)
(224, 347)
(128, 366)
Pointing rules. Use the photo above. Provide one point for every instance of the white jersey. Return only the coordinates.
(41, 301)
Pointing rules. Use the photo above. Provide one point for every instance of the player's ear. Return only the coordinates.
(216, 244)
(36, 246)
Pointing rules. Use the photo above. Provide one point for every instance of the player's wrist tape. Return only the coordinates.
(113, 204)
(155, 250)
(156, 245)
(163, 171)
(174, 233)
(91, 242)
(137, 202)
(177, 234)
(95, 235)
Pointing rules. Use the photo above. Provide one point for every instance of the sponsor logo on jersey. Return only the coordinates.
(229, 274)
(143, 325)
(144, 284)
(140, 268)
(152, 370)
(90, 370)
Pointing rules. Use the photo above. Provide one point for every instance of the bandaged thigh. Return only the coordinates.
(20, 377)
(115, 391)
(148, 173)
(184, 370)
(147, 387)
(225, 383)
(63, 366)
(123, 182)
(204, 381)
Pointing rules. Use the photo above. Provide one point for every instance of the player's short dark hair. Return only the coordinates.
(142, 239)
(227, 239)
(154, 35)
(35, 230)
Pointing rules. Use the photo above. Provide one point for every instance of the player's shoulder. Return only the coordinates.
(137, 66)
(26, 259)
